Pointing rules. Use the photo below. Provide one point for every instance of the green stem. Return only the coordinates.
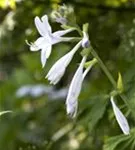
(93, 52)
(110, 77)
(79, 30)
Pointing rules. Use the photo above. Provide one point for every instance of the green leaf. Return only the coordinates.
(113, 142)
(96, 108)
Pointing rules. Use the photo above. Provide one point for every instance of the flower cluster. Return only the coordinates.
(45, 43)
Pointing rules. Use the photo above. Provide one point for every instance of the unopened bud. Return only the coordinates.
(57, 17)
(64, 15)
(85, 40)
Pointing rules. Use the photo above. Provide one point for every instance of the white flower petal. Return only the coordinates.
(61, 33)
(122, 121)
(33, 47)
(40, 27)
(72, 109)
(65, 39)
(55, 40)
(40, 43)
(75, 87)
(56, 36)
(58, 69)
(55, 78)
(48, 50)
(46, 23)
(43, 57)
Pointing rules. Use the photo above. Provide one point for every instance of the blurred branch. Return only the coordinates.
(102, 7)
(131, 6)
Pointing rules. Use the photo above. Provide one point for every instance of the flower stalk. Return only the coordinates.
(48, 38)
(110, 77)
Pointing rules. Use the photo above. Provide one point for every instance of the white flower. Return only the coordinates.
(33, 90)
(74, 90)
(58, 69)
(122, 121)
(85, 40)
(47, 38)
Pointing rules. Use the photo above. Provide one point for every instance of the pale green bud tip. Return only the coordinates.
(120, 85)
(85, 27)
(90, 63)
(94, 61)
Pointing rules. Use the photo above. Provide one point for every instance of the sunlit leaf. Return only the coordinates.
(8, 3)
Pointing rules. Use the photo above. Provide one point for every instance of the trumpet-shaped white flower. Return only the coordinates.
(85, 40)
(47, 38)
(58, 69)
(122, 121)
(74, 90)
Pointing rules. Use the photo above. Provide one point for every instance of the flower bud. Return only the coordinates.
(122, 121)
(57, 17)
(64, 15)
(85, 40)
(74, 90)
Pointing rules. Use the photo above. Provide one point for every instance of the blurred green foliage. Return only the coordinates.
(39, 123)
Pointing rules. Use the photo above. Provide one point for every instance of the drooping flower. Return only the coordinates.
(74, 90)
(47, 39)
(122, 121)
(58, 69)
(75, 86)
(85, 40)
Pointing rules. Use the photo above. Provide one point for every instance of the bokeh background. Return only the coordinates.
(39, 120)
